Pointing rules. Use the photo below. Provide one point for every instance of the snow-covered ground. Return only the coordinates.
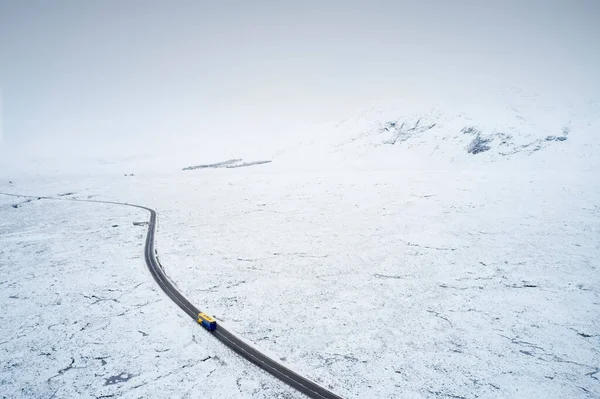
(377, 273)
(81, 317)
(397, 284)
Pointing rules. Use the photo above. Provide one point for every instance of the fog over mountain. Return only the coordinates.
(100, 80)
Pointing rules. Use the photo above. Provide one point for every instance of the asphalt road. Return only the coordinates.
(248, 352)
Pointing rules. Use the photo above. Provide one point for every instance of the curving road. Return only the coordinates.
(248, 352)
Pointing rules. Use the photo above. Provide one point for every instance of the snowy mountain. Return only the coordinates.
(411, 136)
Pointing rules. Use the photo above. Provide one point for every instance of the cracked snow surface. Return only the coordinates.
(377, 284)
(398, 284)
(80, 315)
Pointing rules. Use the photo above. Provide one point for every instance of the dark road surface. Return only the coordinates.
(276, 369)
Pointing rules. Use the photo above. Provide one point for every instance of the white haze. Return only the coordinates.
(100, 82)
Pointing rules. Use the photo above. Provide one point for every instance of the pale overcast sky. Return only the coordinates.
(102, 74)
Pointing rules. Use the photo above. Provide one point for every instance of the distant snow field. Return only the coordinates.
(390, 259)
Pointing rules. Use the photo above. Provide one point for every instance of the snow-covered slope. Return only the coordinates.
(462, 133)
